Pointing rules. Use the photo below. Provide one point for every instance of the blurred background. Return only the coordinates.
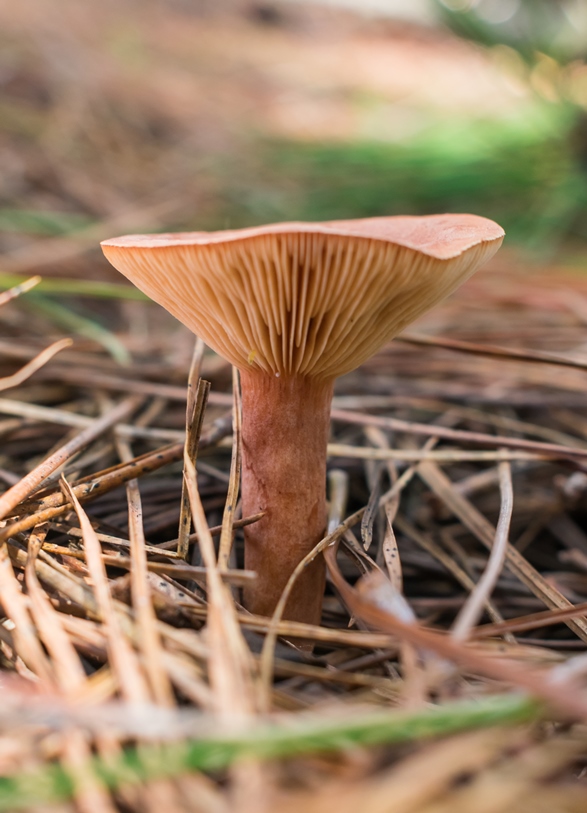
(131, 115)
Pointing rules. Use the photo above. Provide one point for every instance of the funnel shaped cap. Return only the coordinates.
(312, 299)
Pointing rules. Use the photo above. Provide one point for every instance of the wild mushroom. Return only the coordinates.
(294, 306)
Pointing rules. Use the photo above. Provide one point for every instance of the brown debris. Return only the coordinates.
(73, 632)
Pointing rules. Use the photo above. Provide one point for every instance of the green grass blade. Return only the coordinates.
(72, 321)
(43, 223)
(307, 736)
(76, 287)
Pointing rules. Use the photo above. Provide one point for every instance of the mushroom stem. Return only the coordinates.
(285, 434)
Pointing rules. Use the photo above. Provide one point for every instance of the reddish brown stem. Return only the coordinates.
(285, 434)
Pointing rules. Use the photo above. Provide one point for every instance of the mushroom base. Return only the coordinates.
(284, 438)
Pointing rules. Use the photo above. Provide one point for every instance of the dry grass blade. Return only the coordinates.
(196, 396)
(459, 411)
(478, 525)
(64, 417)
(295, 629)
(11, 498)
(439, 455)
(22, 288)
(15, 606)
(35, 412)
(109, 539)
(122, 658)
(78, 376)
(286, 668)
(35, 364)
(179, 572)
(234, 482)
(530, 622)
(473, 608)
(149, 641)
(229, 660)
(69, 671)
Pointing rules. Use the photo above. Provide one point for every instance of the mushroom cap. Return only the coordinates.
(312, 299)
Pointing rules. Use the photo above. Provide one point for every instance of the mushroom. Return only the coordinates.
(294, 306)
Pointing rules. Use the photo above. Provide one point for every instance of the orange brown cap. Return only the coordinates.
(312, 299)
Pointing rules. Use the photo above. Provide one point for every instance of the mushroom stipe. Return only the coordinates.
(294, 306)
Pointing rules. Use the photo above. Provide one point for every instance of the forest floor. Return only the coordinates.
(466, 449)
(440, 679)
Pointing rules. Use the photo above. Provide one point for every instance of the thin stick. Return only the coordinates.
(215, 530)
(101, 483)
(19, 492)
(121, 656)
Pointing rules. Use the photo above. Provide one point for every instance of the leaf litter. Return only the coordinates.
(448, 669)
